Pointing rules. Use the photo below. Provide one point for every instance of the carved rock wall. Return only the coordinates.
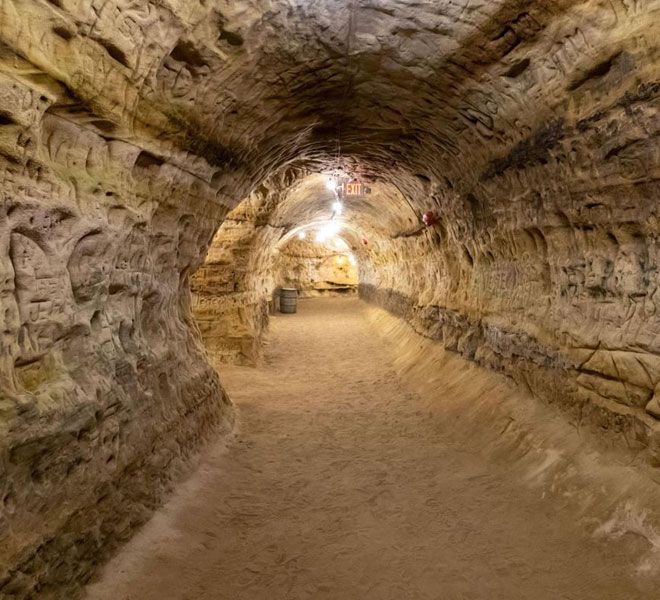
(316, 268)
(544, 263)
(232, 290)
(104, 386)
(104, 389)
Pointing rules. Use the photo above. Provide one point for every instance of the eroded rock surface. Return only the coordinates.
(129, 129)
(317, 268)
(232, 290)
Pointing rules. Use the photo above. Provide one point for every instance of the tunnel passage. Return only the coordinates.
(254, 254)
(130, 131)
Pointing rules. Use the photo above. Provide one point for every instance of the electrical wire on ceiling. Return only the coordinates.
(352, 6)
(352, 9)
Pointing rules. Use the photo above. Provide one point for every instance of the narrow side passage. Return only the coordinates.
(340, 486)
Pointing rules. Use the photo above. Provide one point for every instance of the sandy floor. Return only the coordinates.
(339, 486)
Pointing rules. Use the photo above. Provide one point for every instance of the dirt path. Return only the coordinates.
(340, 487)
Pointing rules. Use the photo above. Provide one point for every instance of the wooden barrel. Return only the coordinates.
(288, 300)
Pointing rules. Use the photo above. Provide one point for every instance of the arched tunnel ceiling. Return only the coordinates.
(311, 247)
(384, 211)
(394, 81)
(406, 89)
(347, 234)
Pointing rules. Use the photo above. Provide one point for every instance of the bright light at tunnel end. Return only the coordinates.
(328, 231)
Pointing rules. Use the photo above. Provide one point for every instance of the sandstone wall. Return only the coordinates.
(545, 262)
(316, 268)
(232, 290)
(105, 390)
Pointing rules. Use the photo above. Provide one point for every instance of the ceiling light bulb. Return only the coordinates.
(331, 184)
(302, 235)
(337, 207)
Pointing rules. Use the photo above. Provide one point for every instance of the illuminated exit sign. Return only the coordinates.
(355, 188)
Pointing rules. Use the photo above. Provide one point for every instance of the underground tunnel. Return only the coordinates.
(463, 197)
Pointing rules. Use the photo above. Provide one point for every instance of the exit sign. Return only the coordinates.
(355, 188)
